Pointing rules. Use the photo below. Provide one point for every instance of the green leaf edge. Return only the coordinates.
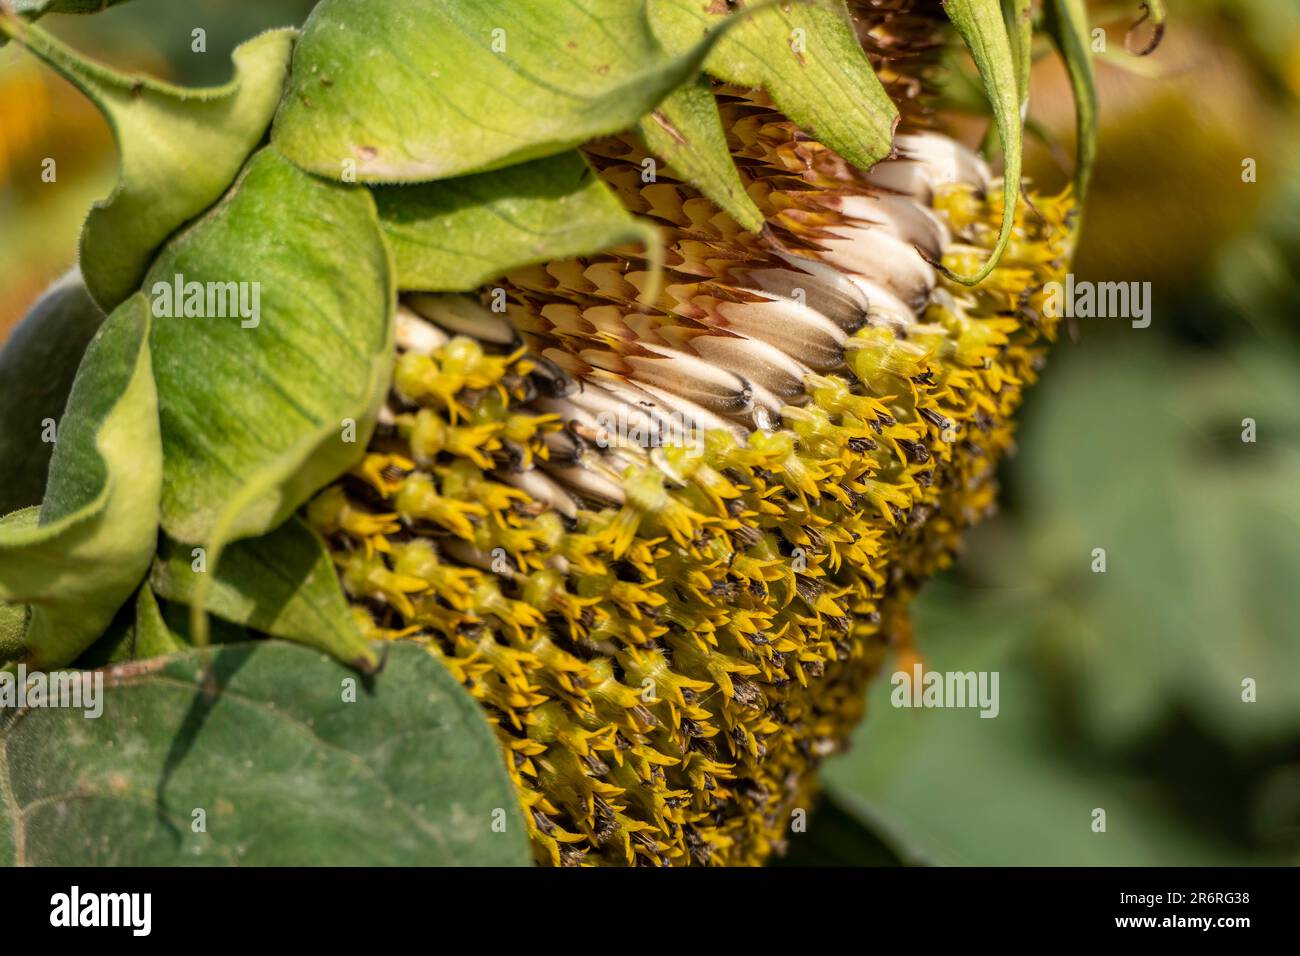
(66, 619)
(984, 30)
(411, 277)
(1066, 22)
(198, 664)
(173, 579)
(702, 157)
(256, 62)
(769, 76)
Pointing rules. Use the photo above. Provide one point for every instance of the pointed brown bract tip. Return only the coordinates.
(1157, 32)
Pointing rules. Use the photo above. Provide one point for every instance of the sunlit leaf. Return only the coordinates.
(282, 584)
(264, 401)
(984, 31)
(453, 235)
(806, 56)
(686, 132)
(180, 148)
(414, 90)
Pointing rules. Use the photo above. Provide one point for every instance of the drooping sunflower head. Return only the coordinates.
(660, 393)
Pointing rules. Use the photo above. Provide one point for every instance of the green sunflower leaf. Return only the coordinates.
(290, 760)
(273, 346)
(283, 584)
(414, 90)
(806, 56)
(686, 133)
(37, 367)
(982, 27)
(453, 235)
(180, 149)
(79, 558)
(1066, 22)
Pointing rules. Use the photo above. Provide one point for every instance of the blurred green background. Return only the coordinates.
(1120, 691)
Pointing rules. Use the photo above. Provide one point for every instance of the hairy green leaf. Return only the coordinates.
(271, 373)
(984, 30)
(92, 539)
(1066, 21)
(414, 90)
(291, 758)
(37, 367)
(806, 56)
(686, 132)
(453, 235)
(13, 625)
(283, 584)
(180, 149)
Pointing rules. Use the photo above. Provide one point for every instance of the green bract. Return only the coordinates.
(282, 584)
(686, 132)
(450, 89)
(264, 402)
(454, 235)
(180, 149)
(981, 25)
(78, 557)
(806, 56)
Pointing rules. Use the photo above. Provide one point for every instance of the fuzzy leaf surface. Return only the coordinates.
(806, 56)
(283, 584)
(255, 409)
(454, 235)
(79, 557)
(415, 90)
(286, 770)
(686, 132)
(180, 149)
